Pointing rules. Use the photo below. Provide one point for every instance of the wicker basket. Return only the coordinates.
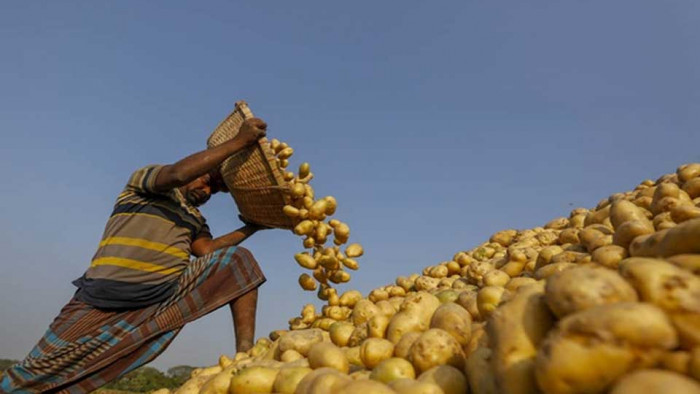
(252, 175)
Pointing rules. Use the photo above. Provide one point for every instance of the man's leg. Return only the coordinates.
(243, 310)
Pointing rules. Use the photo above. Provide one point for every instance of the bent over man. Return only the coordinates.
(142, 285)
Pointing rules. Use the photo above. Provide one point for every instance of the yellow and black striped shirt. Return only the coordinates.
(145, 246)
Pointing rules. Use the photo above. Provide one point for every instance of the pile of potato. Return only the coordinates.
(326, 263)
(604, 300)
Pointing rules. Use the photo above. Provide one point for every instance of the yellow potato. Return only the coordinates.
(254, 380)
(363, 311)
(326, 354)
(403, 346)
(304, 170)
(609, 256)
(350, 298)
(300, 340)
(328, 379)
(365, 386)
(375, 350)
(488, 299)
(288, 379)
(673, 289)
(455, 320)
(410, 386)
(450, 379)
(307, 283)
(515, 331)
(652, 381)
(392, 369)
(590, 349)
(435, 347)
(581, 288)
(354, 250)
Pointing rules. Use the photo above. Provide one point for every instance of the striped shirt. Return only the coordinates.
(145, 246)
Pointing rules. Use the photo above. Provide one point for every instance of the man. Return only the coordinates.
(142, 287)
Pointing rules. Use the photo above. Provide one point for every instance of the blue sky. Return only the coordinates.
(433, 124)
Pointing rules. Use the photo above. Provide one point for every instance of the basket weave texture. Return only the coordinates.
(252, 175)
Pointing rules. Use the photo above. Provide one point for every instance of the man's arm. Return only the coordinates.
(198, 164)
(205, 245)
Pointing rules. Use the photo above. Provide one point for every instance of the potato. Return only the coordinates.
(377, 326)
(684, 238)
(504, 238)
(386, 309)
(598, 216)
(468, 301)
(592, 238)
(676, 361)
(623, 211)
(496, 278)
(692, 187)
(546, 254)
(652, 381)
(515, 330)
(422, 304)
(410, 386)
(363, 311)
(360, 374)
(392, 369)
(551, 269)
(219, 383)
(477, 271)
(455, 320)
(435, 347)
(307, 283)
(479, 371)
(488, 299)
(513, 268)
(450, 379)
(328, 383)
(609, 256)
(629, 230)
(403, 346)
(590, 349)
(290, 355)
(647, 245)
(340, 333)
(329, 379)
(557, 224)
(673, 289)
(326, 354)
(514, 284)
(569, 236)
(684, 212)
(254, 380)
(353, 356)
(694, 363)
(358, 335)
(300, 340)
(288, 379)
(365, 386)
(689, 262)
(375, 350)
(581, 288)
(425, 283)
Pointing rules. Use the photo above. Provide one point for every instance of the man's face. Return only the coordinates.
(200, 190)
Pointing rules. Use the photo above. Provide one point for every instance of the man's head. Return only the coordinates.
(200, 190)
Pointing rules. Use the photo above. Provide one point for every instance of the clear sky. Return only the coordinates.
(434, 124)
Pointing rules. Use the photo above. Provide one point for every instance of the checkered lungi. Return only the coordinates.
(86, 348)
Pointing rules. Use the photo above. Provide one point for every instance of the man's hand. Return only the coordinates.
(251, 130)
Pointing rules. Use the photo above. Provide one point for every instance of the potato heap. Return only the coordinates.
(604, 300)
(326, 263)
